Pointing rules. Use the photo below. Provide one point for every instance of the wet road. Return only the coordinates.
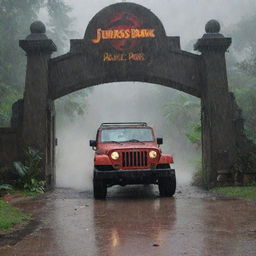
(135, 221)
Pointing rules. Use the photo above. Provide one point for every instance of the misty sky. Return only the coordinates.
(185, 18)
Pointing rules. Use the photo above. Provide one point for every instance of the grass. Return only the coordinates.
(11, 216)
(247, 193)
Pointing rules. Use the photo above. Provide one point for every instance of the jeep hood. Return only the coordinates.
(105, 148)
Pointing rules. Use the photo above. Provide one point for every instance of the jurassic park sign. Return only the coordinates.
(124, 32)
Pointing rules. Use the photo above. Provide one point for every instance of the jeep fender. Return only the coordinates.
(102, 160)
(166, 159)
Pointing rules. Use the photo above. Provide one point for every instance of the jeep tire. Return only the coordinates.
(99, 189)
(167, 186)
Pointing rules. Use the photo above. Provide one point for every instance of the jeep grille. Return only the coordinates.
(134, 159)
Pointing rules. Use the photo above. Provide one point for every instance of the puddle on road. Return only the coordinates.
(137, 222)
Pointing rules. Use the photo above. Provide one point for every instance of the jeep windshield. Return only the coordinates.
(127, 135)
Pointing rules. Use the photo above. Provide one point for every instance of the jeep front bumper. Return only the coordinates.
(133, 176)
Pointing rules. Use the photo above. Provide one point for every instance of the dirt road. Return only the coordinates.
(135, 221)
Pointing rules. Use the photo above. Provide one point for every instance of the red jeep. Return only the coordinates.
(129, 153)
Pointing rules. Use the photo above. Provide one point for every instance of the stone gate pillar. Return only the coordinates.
(218, 136)
(37, 106)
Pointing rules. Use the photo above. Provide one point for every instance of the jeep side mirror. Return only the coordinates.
(159, 141)
(93, 143)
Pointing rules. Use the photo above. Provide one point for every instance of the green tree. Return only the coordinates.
(242, 71)
(59, 23)
(15, 18)
(183, 111)
(70, 106)
(60, 32)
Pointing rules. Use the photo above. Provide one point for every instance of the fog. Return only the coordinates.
(136, 101)
(117, 102)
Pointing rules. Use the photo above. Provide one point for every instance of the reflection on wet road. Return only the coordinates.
(135, 221)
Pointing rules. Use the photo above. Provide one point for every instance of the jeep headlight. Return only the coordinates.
(152, 154)
(114, 155)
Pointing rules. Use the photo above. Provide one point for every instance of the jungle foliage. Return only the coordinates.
(183, 111)
(29, 171)
(4, 188)
(242, 71)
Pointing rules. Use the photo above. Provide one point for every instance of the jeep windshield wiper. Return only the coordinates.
(113, 141)
(134, 140)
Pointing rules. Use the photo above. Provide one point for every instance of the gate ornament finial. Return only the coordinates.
(37, 27)
(212, 40)
(38, 30)
(212, 26)
(37, 41)
(212, 29)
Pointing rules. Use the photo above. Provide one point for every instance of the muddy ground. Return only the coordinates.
(134, 221)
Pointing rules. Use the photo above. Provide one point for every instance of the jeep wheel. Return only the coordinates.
(99, 189)
(167, 186)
